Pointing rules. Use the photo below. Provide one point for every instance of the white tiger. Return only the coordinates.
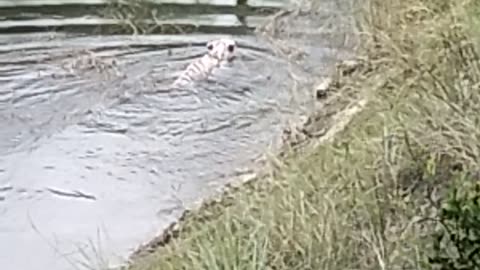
(219, 51)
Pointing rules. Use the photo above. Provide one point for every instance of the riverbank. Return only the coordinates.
(364, 187)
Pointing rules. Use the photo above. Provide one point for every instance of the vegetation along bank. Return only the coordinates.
(397, 187)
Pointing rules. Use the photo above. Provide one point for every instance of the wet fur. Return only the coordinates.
(218, 53)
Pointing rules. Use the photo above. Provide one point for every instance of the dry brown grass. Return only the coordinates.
(365, 200)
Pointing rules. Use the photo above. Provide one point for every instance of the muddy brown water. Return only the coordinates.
(98, 155)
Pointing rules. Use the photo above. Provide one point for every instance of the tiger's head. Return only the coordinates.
(222, 49)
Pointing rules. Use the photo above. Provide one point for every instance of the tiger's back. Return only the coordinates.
(219, 51)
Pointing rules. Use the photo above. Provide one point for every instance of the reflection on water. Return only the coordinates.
(98, 155)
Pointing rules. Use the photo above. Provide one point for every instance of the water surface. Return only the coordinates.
(98, 154)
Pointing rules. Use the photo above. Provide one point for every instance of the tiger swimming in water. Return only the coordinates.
(220, 51)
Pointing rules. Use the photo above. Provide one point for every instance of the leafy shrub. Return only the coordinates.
(457, 243)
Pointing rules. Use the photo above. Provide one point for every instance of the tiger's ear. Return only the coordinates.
(209, 46)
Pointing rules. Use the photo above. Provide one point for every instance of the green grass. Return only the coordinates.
(368, 199)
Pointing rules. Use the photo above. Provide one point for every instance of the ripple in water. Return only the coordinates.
(109, 158)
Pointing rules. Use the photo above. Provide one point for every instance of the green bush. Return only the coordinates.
(457, 243)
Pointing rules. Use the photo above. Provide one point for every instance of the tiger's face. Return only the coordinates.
(222, 49)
